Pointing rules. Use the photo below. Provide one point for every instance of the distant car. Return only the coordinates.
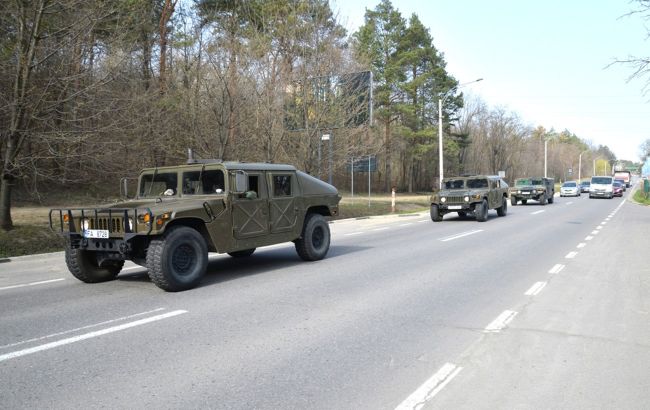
(617, 189)
(623, 184)
(584, 186)
(570, 188)
(601, 186)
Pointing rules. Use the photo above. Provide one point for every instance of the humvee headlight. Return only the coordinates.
(519, 192)
(443, 199)
(476, 196)
(534, 191)
(130, 224)
(85, 224)
(466, 199)
(160, 220)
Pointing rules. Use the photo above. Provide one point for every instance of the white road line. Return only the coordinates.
(460, 235)
(569, 203)
(353, 233)
(537, 212)
(90, 335)
(535, 289)
(424, 220)
(500, 322)
(407, 224)
(381, 229)
(42, 282)
(557, 268)
(608, 218)
(430, 388)
(581, 245)
(603, 223)
(594, 232)
(571, 255)
(589, 237)
(599, 227)
(81, 328)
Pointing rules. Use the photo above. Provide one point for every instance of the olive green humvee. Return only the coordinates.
(474, 194)
(535, 188)
(181, 213)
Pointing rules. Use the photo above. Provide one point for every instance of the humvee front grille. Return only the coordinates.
(455, 200)
(110, 224)
(119, 222)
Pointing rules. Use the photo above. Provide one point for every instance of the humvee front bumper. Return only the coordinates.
(464, 207)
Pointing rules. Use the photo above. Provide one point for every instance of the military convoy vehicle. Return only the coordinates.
(475, 195)
(536, 188)
(181, 213)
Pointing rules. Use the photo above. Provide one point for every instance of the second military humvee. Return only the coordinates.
(183, 212)
(474, 194)
(535, 188)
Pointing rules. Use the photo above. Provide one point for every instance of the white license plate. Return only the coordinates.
(95, 233)
(454, 207)
(525, 192)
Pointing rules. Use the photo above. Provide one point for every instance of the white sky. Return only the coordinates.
(544, 60)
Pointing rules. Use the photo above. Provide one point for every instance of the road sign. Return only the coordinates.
(364, 164)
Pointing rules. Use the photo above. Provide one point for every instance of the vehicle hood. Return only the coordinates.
(159, 205)
(527, 188)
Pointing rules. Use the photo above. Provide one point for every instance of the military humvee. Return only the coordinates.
(536, 188)
(181, 213)
(474, 194)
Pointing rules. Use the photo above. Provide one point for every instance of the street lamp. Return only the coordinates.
(440, 147)
(594, 173)
(580, 164)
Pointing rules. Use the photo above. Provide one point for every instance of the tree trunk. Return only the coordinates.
(168, 10)
(387, 153)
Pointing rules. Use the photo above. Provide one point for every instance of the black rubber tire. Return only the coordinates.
(435, 213)
(462, 214)
(178, 260)
(542, 201)
(314, 242)
(551, 199)
(513, 201)
(83, 266)
(524, 201)
(503, 209)
(242, 254)
(482, 212)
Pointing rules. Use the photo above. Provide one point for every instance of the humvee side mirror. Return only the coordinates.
(124, 188)
(241, 182)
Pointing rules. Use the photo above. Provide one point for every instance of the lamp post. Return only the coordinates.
(580, 164)
(594, 173)
(440, 147)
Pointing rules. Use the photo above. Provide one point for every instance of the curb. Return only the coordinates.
(28, 257)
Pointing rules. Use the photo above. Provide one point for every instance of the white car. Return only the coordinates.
(570, 188)
(601, 187)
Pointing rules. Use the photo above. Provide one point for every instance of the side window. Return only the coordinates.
(254, 184)
(281, 185)
(212, 182)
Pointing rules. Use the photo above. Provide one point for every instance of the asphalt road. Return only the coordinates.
(548, 307)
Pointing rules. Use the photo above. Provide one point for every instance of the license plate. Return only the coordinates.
(454, 207)
(96, 233)
(525, 192)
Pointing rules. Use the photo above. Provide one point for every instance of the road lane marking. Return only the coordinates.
(407, 224)
(599, 227)
(119, 319)
(460, 235)
(537, 212)
(569, 203)
(581, 245)
(381, 229)
(500, 322)
(423, 220)
(430, 388)
(603, 223)
(63, 342)
(557, 268)
(589, 237)
(353, 233)
(594, 232)
(535, 289)
(571, 255)
(22, 285)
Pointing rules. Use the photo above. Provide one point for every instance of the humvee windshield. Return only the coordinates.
(477, 183)
(522, 182)
(537, 182)
(212, 182)
(164, 183)
(455, 184)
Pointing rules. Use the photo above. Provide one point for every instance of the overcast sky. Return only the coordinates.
(544, 60)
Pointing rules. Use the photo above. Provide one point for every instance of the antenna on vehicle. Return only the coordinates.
(190, 156)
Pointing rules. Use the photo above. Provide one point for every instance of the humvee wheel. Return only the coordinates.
(542, 201)
(482, 211)
(178, 260)
(551, 199)
(83, 266)
(524, 201)
(435, 213)
(314, 242)
(462, 214)
(503, 209)
(242, 254)
(513, 201)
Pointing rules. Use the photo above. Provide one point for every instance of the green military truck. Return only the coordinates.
(181, 213)
(474, 195)
(535, 188)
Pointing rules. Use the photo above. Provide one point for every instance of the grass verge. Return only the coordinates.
(640, 197)
(28, 240)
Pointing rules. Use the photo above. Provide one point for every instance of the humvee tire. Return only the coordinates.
(83, 266)
(242, 254)
(524, 201)
(314, 242)
(177, 260)
(435, 213)
(513, 201)
(462, 214)
(503, 209)
(542, 201)
(482, 211)
(550, 200)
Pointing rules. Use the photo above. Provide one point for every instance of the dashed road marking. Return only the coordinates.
(557, 268)
(381, 229)
(23, 285)
(353, 233)
(537, 212)
(581, 245)
(500, 322)
(460, 235)
(430, 388)
(571, 255)
(535, 289)
(589, 237)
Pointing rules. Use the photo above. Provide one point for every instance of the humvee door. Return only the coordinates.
(282, 201)
(250, 211)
